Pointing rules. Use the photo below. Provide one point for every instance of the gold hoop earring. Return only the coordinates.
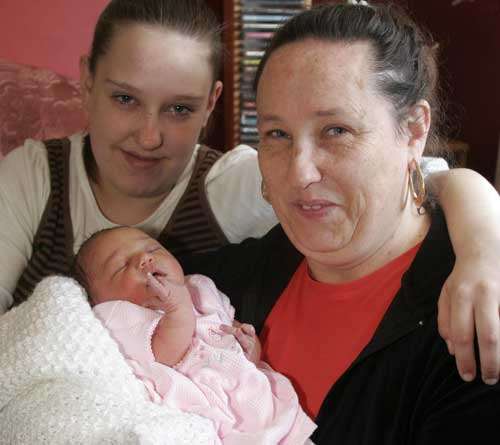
(263, 191)
(416, 177)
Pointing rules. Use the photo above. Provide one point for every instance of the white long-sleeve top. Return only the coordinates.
(232, 185)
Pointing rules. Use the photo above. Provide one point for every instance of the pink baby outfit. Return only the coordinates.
(248, 404)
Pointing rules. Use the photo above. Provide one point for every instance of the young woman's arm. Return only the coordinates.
(471, 295)
(24, 191)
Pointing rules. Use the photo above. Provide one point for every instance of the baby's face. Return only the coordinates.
(118, 262)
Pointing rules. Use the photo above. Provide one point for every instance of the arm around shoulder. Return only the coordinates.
(471, 206)
(471, 295)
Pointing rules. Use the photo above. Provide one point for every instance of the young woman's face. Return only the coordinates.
(332, 158)
(148, 100)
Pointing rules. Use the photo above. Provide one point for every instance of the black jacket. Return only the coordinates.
(404, 387)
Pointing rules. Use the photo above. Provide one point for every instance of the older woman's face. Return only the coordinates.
(330, 154)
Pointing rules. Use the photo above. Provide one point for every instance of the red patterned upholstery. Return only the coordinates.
(36, 103)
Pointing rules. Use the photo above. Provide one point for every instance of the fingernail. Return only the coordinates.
(467, 377)
(491, 381)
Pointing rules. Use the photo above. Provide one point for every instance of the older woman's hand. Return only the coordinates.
(471, 298)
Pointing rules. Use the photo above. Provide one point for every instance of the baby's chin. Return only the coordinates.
(138, 296)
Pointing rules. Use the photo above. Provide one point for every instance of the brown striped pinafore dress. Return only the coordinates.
(191, 228)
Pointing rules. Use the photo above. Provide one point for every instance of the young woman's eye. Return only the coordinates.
(123, 99)
(180, 110)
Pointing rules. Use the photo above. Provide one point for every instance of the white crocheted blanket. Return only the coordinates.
(64, 381)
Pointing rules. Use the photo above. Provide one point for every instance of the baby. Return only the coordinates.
(179, 336)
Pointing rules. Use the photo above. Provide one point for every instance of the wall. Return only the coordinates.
(54, 33)
(469, 36)
(48, 33)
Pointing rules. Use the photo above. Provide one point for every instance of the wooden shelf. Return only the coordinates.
(224, 131)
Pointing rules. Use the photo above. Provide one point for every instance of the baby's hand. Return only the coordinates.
(246, 336)
(168, 296)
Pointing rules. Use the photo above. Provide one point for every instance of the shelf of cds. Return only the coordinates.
(250, 24)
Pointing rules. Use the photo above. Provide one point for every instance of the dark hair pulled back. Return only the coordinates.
(192, 18)
(405, 56)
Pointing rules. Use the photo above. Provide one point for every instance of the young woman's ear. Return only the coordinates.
(212, 100)
(417, 124)
(86, 80)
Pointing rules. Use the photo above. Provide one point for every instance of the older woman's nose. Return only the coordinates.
(149, 135)
(303, 167)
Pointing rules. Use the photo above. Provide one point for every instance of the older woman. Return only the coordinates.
(344, 291)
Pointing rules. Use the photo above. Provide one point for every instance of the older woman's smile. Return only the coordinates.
(317, 208)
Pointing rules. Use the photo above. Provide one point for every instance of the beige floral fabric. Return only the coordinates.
(36, 103)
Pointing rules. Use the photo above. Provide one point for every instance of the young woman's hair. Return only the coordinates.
(405, 57)
(192, 18)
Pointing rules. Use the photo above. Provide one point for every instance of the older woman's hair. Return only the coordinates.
(405, 57)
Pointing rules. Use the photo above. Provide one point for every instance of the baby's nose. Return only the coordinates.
(146, 261)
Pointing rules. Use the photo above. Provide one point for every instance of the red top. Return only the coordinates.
(316, 330)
